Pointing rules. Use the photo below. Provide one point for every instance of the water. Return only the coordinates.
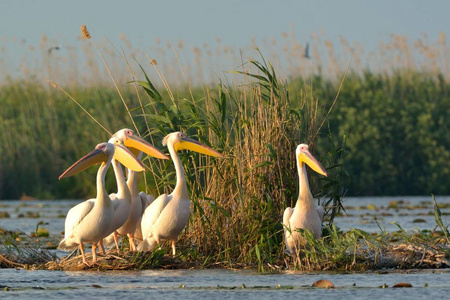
(207, 284)
(372, 213)
(365, 213)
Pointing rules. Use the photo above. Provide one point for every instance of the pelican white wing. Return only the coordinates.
(74, 217)
(152, 213)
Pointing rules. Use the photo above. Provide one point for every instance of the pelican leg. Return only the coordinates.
(81, 246)
(131, 241)
(94, 252)
(173, 248)
(100, 245)
(116, 242)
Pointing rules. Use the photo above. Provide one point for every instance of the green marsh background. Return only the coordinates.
(388, 128)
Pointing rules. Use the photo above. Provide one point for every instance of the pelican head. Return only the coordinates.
(125, 156)
(101, 154)
(136, 143)
(303, 155)
(180, 141)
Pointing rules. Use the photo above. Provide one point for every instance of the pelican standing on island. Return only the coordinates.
(305, 215)
(145, 201)
(121, 200)
(90, 221)
(129, 210)
(167, 216)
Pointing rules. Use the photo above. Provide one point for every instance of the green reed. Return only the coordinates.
(238, 201)
(42, 133)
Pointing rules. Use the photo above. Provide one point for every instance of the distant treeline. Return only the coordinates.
(394, 132)
(396, 129)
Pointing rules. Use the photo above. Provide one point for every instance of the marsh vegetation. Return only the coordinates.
(377, 132)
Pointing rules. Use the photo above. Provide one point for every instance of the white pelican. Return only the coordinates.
(167, 216)
(121, 200)
(129, 209)
(305, 214)
(90, 221)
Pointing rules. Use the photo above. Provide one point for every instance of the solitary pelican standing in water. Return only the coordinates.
(305, 215)
(167, 216)
(91, 222)
(133, 207)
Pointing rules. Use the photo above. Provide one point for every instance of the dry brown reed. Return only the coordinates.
(85, 35)
(204, 64)
(247, 186)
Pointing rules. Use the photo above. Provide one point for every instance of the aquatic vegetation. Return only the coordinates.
(358, 250)
(4, 214)
(438, 219)
(15, 253)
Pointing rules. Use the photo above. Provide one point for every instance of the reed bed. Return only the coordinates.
(354, 250)
(397, 93)
(15, 253)
(53, 59)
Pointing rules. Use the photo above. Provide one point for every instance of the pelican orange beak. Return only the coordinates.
(190, 144)
(94, 157)
(126, 158)
(135, 142)
(121, 153)
(313, 163)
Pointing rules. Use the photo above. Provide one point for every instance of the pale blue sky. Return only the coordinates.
(235, 22)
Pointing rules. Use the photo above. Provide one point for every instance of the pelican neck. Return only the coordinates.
(102, 196)
(132, 181)
(304, 194)
(180, 187)
(122, 188)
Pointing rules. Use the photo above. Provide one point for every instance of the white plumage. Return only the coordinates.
(132, 207)
(91, 221)
(305, 215)
(167, 216)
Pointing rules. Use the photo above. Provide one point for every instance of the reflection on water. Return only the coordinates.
(365, 213)
(205, 284)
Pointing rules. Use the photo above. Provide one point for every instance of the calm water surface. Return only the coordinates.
(206, 284)
(370, 214)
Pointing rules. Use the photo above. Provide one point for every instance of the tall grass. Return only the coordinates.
(41, 131)
(238, 201)
(205, 63)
